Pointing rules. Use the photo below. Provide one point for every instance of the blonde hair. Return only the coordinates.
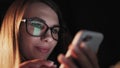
(9, 51)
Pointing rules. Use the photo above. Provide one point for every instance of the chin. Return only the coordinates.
(41, 57)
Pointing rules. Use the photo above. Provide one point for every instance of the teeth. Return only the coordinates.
(43, 50)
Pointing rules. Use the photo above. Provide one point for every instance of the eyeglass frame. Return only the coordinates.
(25, 20)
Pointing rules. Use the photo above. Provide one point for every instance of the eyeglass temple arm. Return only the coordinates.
(23, 20)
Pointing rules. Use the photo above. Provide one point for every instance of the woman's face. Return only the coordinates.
(38, 47)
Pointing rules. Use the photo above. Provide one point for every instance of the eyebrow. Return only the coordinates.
(45, 21)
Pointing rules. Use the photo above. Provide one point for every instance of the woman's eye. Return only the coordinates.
(55, 31)
(37, 24)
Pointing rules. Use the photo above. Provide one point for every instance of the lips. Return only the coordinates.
(43, 49)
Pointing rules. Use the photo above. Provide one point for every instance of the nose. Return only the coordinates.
(47, 37)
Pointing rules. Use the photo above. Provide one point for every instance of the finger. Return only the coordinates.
(80, 57)
(37, 63)
(67, 63)
(90, 55)
(26, 64)
(43, 63)
(54, 66)
(30, 64)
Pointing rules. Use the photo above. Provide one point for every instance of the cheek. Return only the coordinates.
(27, 44)
(25, 40)
(54, 44)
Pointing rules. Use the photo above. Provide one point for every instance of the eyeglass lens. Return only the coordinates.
(38, 28)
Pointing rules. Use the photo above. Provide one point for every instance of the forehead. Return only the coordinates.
(43, 11)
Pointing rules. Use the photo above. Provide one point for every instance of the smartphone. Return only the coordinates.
(92, 39)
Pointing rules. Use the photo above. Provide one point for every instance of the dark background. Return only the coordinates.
(101, 16)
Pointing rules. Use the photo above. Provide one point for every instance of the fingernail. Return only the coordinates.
(62, 56)
(55, 66)
(83, 45)
(51, 63)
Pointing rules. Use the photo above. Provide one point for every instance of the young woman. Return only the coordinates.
(31, 29)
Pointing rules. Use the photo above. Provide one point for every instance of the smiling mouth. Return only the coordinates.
(42, 49)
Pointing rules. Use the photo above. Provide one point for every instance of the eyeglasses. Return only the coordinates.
(37, 27)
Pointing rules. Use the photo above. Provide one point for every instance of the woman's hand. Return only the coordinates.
(38, 64)
(83, 55)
